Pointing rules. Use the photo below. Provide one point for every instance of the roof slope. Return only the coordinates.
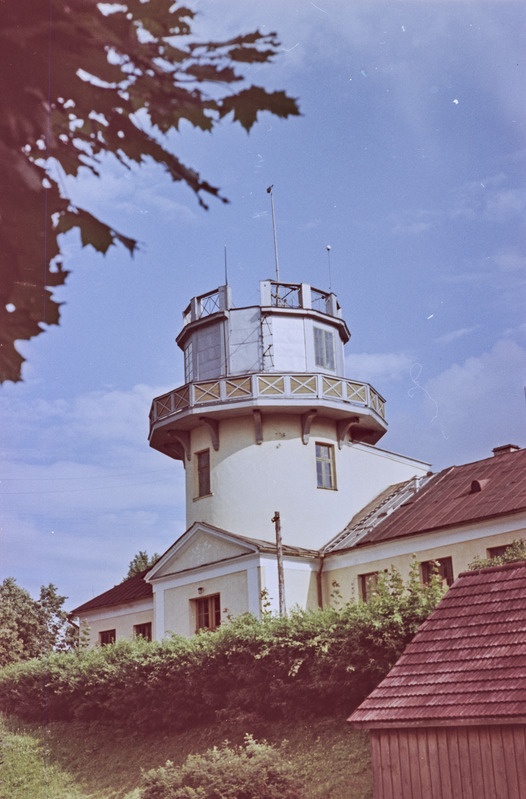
(136, 587)
(467, 662)
(386, 502)
(128, 591)
(459, 495)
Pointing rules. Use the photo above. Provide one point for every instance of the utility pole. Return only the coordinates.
(279, 553)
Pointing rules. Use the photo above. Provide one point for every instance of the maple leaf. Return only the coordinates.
(107, 62)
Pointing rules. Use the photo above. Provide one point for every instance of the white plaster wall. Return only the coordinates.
(250, 481)
(202, 549)
(370, 470)
(179, 608)
(300, 577)
(462, 544)
(121, 619)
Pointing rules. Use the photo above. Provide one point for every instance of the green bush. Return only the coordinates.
(309, 663)
(253, 771)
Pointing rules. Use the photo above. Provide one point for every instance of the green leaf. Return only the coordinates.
(247, 104)
(108, 62)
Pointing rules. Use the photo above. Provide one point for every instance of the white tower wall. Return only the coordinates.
(249, 482)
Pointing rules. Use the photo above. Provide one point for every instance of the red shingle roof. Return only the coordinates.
(459, 495)
(129, 591)
(467, 662)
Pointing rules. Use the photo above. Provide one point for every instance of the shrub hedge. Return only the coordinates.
(253, 771)
(309, 662)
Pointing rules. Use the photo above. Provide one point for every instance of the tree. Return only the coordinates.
(30, 628)
(140, 562)
(81, 80)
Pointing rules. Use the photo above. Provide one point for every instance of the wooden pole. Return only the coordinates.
(279, 553)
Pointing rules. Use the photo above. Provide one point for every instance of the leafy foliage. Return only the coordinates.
(305, 664)
(140, 562)
(30, 628)
(81, 80)
(253, 771)
(515, 552)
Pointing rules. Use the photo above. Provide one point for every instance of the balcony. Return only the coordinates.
(335, 397)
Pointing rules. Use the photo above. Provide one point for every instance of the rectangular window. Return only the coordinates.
(203, 473)
(497, 552)
(442, 567)
(208, 612)
(188, 363)
(325, 470)
(143, 630)
(368, 583)
(107, 637)
(324, 348)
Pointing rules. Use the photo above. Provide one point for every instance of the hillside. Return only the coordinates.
(81, 761)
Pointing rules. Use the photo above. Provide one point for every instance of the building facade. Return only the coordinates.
(267, 426)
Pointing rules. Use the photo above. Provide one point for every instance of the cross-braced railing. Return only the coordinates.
(278, 386)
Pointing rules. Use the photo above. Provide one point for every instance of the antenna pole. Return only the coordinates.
(328, 248)
(226, 269)
(269, 191)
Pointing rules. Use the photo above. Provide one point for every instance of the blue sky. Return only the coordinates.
(409, 160)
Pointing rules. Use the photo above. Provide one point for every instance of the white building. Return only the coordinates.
(275, 439)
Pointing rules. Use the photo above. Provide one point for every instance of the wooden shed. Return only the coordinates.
(449, 720)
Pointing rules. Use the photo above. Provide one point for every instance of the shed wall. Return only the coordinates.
(450, 763)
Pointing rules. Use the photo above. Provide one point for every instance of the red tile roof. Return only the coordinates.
(467, 662)
(459, 495)
(129, 591)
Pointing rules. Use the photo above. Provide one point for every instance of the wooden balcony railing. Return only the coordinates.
(277, 386)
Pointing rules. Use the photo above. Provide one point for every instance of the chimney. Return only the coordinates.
(505, 449)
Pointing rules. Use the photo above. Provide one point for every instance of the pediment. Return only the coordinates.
(200, 547)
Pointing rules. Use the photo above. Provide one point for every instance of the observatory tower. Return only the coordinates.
(266, 421)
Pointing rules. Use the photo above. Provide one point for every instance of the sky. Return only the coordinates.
(409, 160)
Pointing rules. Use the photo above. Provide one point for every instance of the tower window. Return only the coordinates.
(207, 612)
(203, 473)
(188, 363)
(325, 468)
(324, 348)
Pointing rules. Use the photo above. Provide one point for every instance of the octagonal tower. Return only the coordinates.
(267, 421)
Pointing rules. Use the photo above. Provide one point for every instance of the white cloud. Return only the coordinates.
(510, 260)
(136, 194)
(414, 221)
(491, 199)
(370, 367)
(504, 204)
(454, 335)
(465, 411)
(82, 491)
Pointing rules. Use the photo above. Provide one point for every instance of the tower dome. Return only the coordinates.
(267, 421)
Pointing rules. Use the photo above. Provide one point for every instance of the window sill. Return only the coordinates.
(204, 496)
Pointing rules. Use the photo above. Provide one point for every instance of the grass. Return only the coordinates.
(80, 761)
